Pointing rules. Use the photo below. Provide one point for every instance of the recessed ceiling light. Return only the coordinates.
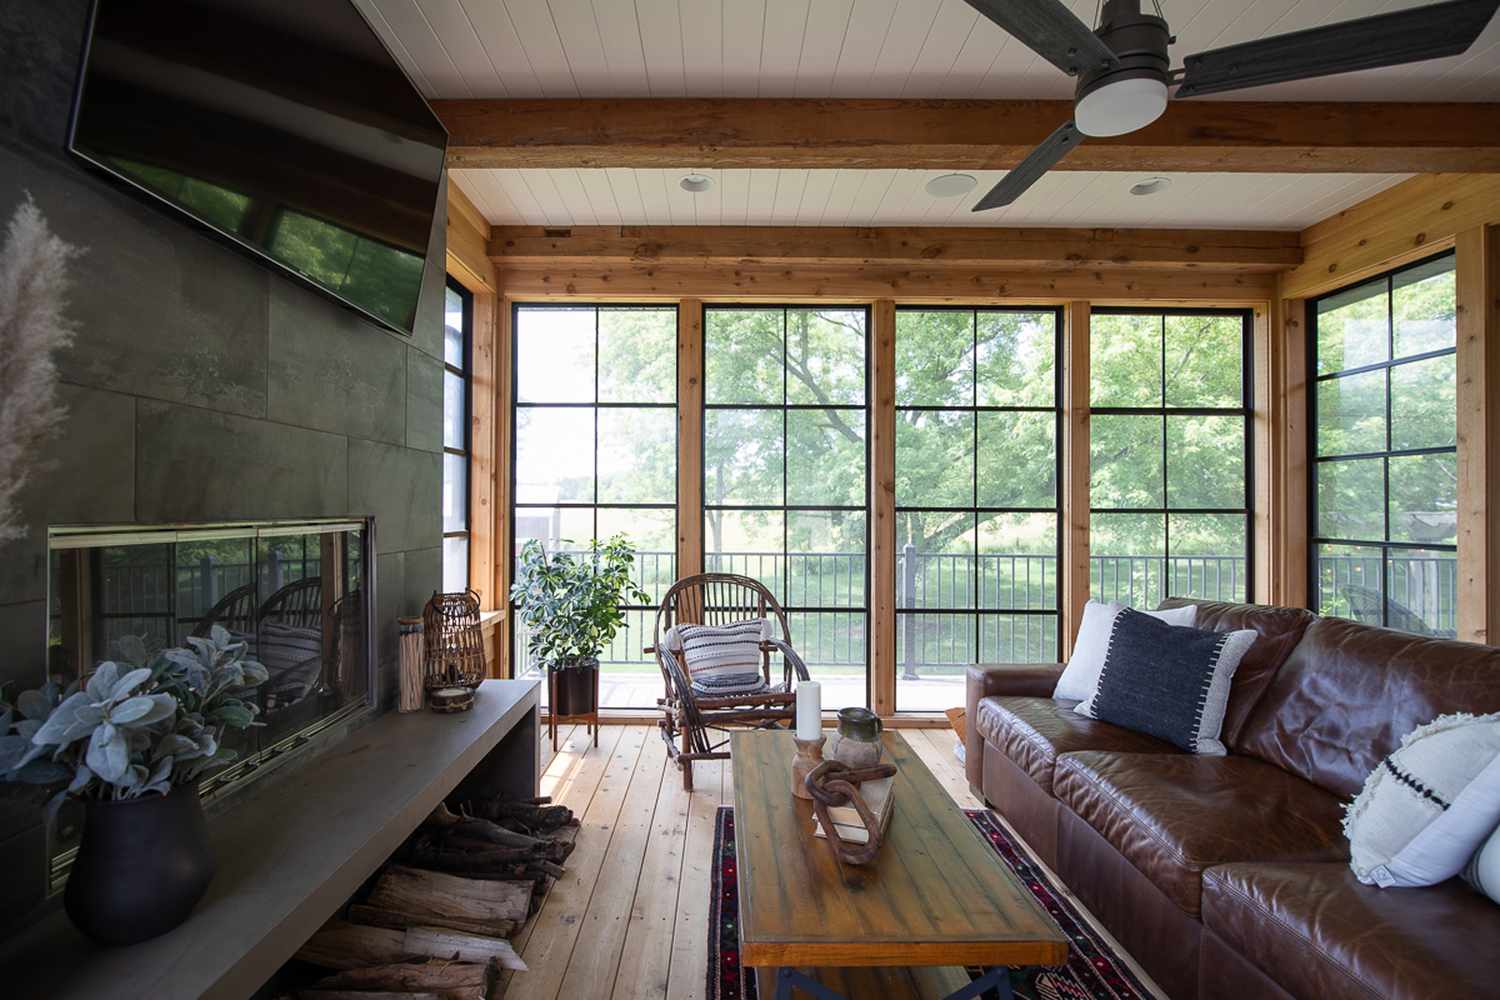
(1151, 185)
(696, 183)
(951, 185)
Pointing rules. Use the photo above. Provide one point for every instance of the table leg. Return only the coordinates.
(789, 979)
(997, 979)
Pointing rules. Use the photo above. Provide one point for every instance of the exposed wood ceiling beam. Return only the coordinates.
(1246, 137)
(929, 248)
(762, 282)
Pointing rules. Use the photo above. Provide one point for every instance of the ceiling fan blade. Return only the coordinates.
(1028, 171)
(1431, 32)
(1051, 30)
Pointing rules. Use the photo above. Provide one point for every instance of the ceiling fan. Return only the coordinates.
(1123, 69)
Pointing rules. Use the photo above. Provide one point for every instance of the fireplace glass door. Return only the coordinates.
(298, 596)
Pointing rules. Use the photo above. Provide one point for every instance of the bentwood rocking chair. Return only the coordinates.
(700, 723)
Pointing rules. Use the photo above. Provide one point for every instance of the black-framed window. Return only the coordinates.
(785, 465)
(458, 338)
(595, 417)
(978, 494)
(1170, 455)
(1384, 435)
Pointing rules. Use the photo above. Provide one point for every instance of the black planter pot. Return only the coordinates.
(575, 688)
(142, 866)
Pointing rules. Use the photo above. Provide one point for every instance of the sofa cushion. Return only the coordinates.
(1349, 692)
(1033, 731)
(1319, 933)
(1278, 630)
(1173, 815)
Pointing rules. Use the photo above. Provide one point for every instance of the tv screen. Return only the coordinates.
(283, 125)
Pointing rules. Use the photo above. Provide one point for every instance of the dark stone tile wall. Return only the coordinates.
(202, 386)
(327, 371)
(402, 487)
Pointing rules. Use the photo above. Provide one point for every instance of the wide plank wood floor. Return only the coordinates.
(630, 918)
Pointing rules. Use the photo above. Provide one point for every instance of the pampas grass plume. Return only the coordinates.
(33, 292)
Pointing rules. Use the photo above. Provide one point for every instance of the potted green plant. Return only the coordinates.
(132, 740)
(571, 604)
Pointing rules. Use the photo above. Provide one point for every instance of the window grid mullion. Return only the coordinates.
(1166, 493)
(1386, 545)
(974, 479)
(1165, 411)
(786, 508)
(975, 612)
(1385, 462)
(596, 504)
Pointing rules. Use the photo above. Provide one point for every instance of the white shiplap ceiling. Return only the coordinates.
(862, 48)
(841, 48)
(629, 197)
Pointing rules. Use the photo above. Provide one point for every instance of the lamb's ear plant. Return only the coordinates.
(137, 725)
(19, 759)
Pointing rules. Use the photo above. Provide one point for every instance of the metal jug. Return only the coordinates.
(857, 742)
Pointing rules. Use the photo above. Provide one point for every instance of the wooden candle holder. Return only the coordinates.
(808, 756)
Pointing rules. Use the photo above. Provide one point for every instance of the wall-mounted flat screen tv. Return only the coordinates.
(283, 125)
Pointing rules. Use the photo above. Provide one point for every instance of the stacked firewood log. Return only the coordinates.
(436, 922)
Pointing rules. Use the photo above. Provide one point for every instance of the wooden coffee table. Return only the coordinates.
(937, 896)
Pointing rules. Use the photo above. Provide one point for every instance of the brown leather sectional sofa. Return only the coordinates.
(1228, 877)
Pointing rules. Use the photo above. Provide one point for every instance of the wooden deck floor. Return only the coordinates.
(630, 918)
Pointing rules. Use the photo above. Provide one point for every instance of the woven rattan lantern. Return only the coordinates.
(453, 651)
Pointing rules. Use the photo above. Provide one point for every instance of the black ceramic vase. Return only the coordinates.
(575, 686)
(142, 866)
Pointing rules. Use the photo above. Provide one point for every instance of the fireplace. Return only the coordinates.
(297, 593)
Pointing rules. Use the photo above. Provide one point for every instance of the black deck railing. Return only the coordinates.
(936, 593)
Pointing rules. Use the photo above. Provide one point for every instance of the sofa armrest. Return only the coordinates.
(986, 680)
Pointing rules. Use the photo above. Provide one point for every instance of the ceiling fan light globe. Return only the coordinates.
(1120, 106)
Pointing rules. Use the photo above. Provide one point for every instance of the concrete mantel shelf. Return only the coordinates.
(291, 854)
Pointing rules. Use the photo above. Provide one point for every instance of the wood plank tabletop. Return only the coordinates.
(938, 894)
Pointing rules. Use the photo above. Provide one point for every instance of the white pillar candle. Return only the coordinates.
(809, 710)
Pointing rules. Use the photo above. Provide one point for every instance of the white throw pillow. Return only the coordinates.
(1428, 806)
(720, 650)
(1081, 676)
(1483, 869)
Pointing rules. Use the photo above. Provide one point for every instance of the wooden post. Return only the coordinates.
(689, 461)
(1264, 512)
(882, 501)
(1290, 559)
(466, 262)
(1477, 265)
(1280, 421)
(689, 437)
(1075, 443)
(483, 550)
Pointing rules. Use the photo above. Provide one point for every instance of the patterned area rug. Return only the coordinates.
(1094, 970)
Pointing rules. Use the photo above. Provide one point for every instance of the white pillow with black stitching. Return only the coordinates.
(1428, 806)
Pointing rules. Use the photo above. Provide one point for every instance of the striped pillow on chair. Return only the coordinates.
(722, 659)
